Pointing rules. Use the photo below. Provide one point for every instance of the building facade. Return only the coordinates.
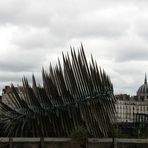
(5, 92)
(127, 107)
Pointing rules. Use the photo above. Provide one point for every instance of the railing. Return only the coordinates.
(115, 142)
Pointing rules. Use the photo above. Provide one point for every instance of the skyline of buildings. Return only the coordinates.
(127, 106)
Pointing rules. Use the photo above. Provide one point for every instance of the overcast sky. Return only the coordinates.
(34, 33)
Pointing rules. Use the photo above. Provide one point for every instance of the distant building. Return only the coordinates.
(129, 107)
(5, 92)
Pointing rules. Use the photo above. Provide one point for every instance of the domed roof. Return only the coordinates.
(143, 89)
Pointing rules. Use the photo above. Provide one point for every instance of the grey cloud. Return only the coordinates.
(36, 33)
(16, 78)
(29, 38)
(24, 13)
(141, 27)
(133, 55)
(20, 60)
(16, 66)
(131, 49)
(100, 23)
(129, 76)
(65, 21)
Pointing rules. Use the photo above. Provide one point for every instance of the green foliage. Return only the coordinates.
(117, 132)
(79, 134)
(114, 130)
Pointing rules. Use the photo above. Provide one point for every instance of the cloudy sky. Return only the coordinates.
(33, 33)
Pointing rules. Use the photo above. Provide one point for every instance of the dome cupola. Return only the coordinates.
(143, 90)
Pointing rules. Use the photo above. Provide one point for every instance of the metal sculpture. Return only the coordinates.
(79, 94)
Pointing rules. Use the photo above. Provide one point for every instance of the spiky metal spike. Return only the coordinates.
(79, 94)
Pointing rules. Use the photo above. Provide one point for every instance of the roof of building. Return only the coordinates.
(143, 89)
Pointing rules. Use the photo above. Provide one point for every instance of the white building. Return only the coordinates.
(127, 107)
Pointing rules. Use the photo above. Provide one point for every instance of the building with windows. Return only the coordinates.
(128, 107)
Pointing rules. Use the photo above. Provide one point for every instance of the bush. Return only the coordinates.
(79, 134)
